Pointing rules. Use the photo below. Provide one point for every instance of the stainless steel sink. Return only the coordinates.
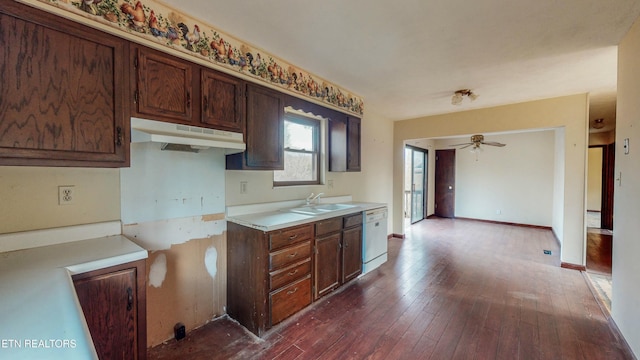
(320, 209)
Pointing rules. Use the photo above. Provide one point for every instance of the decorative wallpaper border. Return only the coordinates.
(159, 23)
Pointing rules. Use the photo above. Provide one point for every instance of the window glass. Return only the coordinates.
(301, 153)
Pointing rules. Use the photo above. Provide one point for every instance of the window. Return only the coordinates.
(301, 152)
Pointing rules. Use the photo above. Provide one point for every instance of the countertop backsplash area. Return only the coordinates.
(173, 205)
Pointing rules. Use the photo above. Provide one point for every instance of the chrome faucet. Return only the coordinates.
(316, 198)
(311, 198)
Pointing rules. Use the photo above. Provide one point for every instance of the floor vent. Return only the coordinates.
(547, 252)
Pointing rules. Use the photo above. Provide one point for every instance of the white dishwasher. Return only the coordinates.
(374, 246)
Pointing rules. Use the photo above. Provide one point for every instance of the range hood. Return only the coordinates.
(143, 130)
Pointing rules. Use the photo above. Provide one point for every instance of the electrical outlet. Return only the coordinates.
(330, 184)
(243, 187)
(66, 195)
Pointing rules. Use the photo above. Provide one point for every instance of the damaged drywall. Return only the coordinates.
(158, 270)
(162, 234)
(192, 291)
(211, 261)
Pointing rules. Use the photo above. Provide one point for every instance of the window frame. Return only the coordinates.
(316, 149)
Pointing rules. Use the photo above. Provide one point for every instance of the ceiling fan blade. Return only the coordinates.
(464, 147)
(493, 143)
(467, 144)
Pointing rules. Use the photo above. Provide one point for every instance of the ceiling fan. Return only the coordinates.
(476, 141)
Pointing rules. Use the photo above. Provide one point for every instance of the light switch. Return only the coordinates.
(626, 146)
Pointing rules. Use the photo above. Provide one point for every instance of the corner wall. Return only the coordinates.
(626, 249)
(173, 205)
(569, 113)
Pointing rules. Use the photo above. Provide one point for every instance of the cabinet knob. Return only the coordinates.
(293, 272)
(292, 237)
(129, 299)
(293, 255)
(188, 99)
(206, 103)
(292, 291)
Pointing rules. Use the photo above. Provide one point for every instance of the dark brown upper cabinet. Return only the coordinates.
(163, 87)
(353, 143)
(222, 105)
(264, 131)
(63, 92)
(344, 143)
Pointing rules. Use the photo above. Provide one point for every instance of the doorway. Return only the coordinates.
(599, 242)
(416, 165)
(445, 183)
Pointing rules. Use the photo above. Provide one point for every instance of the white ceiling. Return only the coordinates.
(406, 58)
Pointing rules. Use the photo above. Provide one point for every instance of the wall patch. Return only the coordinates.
(158, 270)
(211, 261)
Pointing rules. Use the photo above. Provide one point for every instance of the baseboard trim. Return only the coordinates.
(506, 223)
(617, 334)
(573, 266)
(397, 236)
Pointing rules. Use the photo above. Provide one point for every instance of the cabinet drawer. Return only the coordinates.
(352, 220)
(289, 255)
(289, 274)
(328, 226)
(290, 236)
(290, 299)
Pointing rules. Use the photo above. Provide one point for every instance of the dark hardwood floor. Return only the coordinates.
(599, 251)
(452, 289)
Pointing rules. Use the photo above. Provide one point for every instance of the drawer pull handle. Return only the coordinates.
(293, 255)
(292, 237)
(293, 272)
(292, 291)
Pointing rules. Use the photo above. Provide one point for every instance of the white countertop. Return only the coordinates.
(282, 218)
(39, 311)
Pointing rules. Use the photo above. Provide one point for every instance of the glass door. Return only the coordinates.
(418, 165)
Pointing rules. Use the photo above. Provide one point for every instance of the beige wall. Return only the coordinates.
(626, 247)
(29, 197)
(594, 179)
(569, 113)
(509, 184)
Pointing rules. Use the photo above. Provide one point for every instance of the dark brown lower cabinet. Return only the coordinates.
(338, 252)
(272, 275)
(113, 301)
(351, 253)
(327, 264)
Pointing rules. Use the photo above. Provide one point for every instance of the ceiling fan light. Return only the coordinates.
(598, 123)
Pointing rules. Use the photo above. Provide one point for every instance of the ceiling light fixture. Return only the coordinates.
(458, 96)
(598, 123)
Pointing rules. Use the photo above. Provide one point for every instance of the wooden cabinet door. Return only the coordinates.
(353, 144)
(344, 143)
(327, 265)
(222, 105)
(62, 93)
(264, 132)
(351, 253)
(163, 87)
(109, 305)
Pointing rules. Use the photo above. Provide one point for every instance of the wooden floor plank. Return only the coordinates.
(458, 289)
